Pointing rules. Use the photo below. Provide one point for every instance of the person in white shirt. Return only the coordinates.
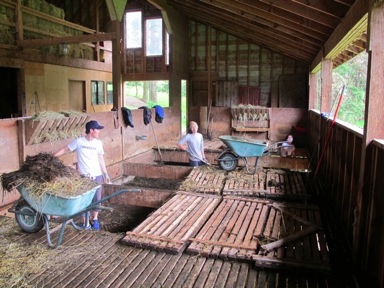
(90, 162)
(193, 144)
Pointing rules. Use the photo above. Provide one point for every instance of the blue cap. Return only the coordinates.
(93, 124)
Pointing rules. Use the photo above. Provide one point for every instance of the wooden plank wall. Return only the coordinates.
(238, 63)
(119, 141)
(339, 175)
(339, 169)
(9, 155)
(281, 122)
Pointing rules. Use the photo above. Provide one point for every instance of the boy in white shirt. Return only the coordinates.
(90, 159)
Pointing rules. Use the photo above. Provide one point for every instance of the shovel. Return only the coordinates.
(198, 158)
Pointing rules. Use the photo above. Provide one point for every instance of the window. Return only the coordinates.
(97, 92)
(154, 37)
(109, 93)
(133, 29)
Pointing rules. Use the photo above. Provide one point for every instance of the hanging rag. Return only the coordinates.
(159, 113)
(147, 115)
(127, 117)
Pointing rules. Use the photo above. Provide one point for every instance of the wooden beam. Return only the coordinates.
(326, 85)
(272, 19)
(307, 12)
(34, 43)
(354, 15)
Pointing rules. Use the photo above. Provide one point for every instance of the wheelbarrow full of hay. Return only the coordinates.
(242, 148)
(33, 212)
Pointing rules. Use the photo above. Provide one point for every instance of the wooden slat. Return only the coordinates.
(293, 236)
(208, 180)
(169, 228)
(232, 231)
(243, 184)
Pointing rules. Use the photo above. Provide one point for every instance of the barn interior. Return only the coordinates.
(258, 70)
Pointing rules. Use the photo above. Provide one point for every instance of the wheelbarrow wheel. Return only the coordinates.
(228, 161)
(28, 219)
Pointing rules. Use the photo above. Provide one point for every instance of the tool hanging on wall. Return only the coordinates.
(37, 102)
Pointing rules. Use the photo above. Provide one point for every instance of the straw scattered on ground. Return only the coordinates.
(17, 261)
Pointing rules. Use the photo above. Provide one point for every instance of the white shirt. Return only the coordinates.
(88, 155)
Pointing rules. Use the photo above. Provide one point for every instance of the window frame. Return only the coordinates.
(97, 92)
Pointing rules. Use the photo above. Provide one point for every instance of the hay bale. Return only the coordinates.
(56, 11)
(30, 20)
(6, 35)
(3, 9)
(34, 4)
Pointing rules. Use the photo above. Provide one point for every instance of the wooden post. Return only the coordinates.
(326, 85)
(116, 67)
(373, 128)
(312, 90)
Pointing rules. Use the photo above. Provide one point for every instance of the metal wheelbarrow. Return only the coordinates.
(32, 213)
(243, 148)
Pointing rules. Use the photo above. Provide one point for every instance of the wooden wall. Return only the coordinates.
(120, 142)
(223, 67)
(47, 87)
(338, 173)
(281, 123)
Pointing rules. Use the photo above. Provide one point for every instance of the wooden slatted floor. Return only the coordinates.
(232, 232)
(204, 179)
(268, 183)
(293, 237)
(238, 225)
(169, 227)
(97, 259)
(231, 241)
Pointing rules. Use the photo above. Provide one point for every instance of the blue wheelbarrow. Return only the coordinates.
(32, 213)
(243, 148)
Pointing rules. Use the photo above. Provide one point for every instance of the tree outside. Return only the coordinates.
(352, 74)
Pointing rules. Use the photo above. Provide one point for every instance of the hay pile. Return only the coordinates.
(58, 125)
(45, 173)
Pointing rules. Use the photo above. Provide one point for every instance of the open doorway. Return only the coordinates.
(146, 93)
(8, 93)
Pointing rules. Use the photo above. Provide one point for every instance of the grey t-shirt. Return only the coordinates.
(195, 145)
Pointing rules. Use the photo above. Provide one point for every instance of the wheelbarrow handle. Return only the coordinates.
(95, 206)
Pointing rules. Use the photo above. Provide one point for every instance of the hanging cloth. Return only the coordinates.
(159, 113)
(147, 115)
(127, 117)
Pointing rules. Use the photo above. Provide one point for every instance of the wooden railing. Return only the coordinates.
(357, 204)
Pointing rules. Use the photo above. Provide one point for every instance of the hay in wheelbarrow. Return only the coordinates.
(45, 173)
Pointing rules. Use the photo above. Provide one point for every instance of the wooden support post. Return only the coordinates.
(116, 67)
(326, 85)
(312, 90)
(365, 218)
